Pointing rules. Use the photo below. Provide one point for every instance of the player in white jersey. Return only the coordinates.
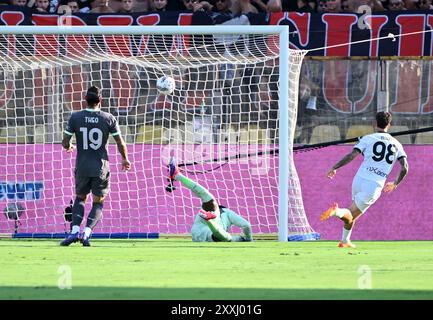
(213, 222)
(381, 151)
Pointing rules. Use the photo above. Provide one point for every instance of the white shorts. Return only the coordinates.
(365, 192)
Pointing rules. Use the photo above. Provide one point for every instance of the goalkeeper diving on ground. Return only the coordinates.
(213, 222)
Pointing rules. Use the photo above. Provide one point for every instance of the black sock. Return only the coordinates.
(94, 215)
(78, 211)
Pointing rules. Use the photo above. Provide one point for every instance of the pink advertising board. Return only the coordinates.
(41, 177)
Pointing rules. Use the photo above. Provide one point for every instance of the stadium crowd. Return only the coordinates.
(226, 7)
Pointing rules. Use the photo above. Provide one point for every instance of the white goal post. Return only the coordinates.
(235, 102)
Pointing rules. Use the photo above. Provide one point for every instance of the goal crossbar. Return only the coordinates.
(142, 30)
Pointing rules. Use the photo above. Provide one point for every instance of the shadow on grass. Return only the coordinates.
(120, 293)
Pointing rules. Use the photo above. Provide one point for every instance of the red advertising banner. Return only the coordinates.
(390, 33)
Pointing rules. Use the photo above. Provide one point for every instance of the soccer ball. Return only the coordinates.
(165, 85)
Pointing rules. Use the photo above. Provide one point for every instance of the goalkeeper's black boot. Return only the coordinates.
(86, 242)
(73, 237)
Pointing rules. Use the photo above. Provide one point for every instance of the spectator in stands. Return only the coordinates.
(306, 6)
(222, 11)
(384, 3)
(291, 5)
(321, 6)
(127, 6)
(411, 4)
(188, 4)
(333, 6)
(396, 5)
(83, 5)
(42, 5)
(70, 7)
(73, 5)
(425, 5)
(375, 5)
(101, 6)
(345, 6)
(159, 5)
(312, 4)
(308, 113)
(19, 3)
(196, 5)
(202, 6)
(223, 6)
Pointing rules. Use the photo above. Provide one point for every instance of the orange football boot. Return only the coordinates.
(349, 244)
(330, 212)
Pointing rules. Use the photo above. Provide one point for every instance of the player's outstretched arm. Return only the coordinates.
(404, 169)
(121, 146)
(242, 223)
(345, 160)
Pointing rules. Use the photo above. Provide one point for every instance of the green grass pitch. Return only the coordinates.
(180, 269)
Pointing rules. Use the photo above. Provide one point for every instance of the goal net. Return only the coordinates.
(221, 123)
